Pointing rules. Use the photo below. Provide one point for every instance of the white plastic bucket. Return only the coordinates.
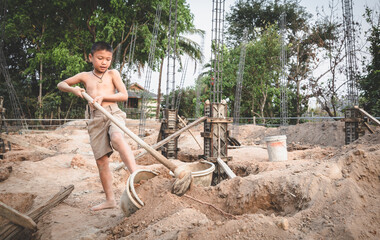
(201, 172)
(276, 146)
(130, 201)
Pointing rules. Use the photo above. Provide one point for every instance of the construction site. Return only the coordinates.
(207, 177)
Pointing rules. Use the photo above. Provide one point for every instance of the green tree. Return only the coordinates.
(261, 74)
(370, 83)
(187, 103)
(328, 34)
(256, 15)
(47, 41)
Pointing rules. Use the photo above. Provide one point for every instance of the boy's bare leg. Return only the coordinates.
(106, 179)
(126, 154)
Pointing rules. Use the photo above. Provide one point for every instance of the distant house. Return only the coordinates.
(135, 95)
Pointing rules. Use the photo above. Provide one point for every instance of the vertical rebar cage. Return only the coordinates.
(283, 79)
(239, 81)
(171, 56)
(217, 31)
(148, 78)
(198, 83)
(352, 90)
(169, 123)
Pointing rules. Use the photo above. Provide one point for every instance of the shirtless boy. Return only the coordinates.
(101, 84)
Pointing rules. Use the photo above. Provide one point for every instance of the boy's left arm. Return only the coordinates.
(120, 86)
(121, 95)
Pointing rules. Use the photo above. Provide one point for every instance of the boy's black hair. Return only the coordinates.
(98, 46)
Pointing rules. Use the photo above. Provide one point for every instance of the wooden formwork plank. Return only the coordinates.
(219, 140)
(219, 120)
(226, 168)
(368, 115)
(10, 230)
(207, 131)
(351, 128)
(16, 217)
(170, 150)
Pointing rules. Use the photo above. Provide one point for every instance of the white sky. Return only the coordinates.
(202, 10)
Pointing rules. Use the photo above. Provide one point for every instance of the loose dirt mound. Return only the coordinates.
(324, 191)
(329, 133)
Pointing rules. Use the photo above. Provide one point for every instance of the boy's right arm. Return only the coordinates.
(65, 85)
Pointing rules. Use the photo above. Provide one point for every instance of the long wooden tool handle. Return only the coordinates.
(174, 135)
(122, 126)
(166, 140)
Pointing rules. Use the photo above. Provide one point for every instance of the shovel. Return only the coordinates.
(183, 177)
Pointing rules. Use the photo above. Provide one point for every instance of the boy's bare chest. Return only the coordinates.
(97, 87)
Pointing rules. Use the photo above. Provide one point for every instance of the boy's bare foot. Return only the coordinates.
(105, 205)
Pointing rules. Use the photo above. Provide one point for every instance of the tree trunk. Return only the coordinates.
(298, 101)
(298, 85)
(262, 105)
(41, 73)
(327, 109)
(159, 90)
(40, 91)
(253, 107)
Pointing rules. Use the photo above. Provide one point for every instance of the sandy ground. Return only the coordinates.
(325, 190)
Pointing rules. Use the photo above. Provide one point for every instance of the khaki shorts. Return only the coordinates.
(100, 129)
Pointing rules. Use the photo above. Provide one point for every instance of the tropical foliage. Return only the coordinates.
(48, 41)
(370, 83)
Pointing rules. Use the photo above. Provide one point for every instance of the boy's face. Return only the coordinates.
(101, 60)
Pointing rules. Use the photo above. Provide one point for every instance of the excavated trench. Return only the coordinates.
(261, 196)
(252, 192)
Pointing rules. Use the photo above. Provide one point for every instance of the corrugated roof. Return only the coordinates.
(138, 94)
(133, 94)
